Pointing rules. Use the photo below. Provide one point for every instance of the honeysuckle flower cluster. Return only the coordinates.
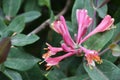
(73, 46)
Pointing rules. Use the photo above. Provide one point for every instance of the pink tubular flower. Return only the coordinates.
(61, 27)
(72, 47)
(52, 51)
(91, 56)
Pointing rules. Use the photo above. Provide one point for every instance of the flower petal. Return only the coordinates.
(91, 56)
(55, 61)
(83, 23)
(103, 26)
(61, 27)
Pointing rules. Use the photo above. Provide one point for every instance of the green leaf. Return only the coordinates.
(5, 45)
(33, 74)
(81, 77)
(98, 41)
(13, 75)
(80, 70)
(31, 5)
(20, 60)
(55, 74)
(116, 16)
(108, 56)
(17, 25)
(31, 15)
(67, 65)
(53, 38)
(44, 2)
(102, 11)
(11, 7)
(2, 25)
(104, 71)
(22, 40)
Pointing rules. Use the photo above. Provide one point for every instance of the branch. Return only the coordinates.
(47, 22)
(105, 50)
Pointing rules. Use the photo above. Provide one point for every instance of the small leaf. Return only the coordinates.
(31, 5)
(55, 74)
(108, 56)
(33, 74)
(5, 45)
(81, 77)
(20, 60)
(31, 15)
(13, 75)
(17, 25)
(11, 7)
(102, 11)
(104, 71)
(44, 2)
(22, 40)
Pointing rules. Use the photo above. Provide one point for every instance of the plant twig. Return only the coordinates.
(105, 50)
(47, 22)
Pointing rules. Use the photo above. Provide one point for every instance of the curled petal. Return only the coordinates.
(61, 27)
(91, 56)
(103, 26)
(53, 50)
(55, 61)
(83, 23)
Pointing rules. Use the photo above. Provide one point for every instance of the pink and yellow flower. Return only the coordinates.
(73, 47)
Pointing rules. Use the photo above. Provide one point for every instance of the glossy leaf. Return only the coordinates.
(98, 41)
(33, 74)
(104, 71)
(102, 10)
(55, 74)
(45, 2)
(31, 5)
(31, 15)
(116, 16)
(11, 7)
(80, 77)
(13, 75)
(20, 60)
(2, 25)
(17, 25)
(108, 56)
(5, 45)
(22, 40)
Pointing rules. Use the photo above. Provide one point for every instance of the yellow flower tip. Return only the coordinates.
(45, 48)
(48, 67)
(46, 55)
(99, 62)
(41, 62)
